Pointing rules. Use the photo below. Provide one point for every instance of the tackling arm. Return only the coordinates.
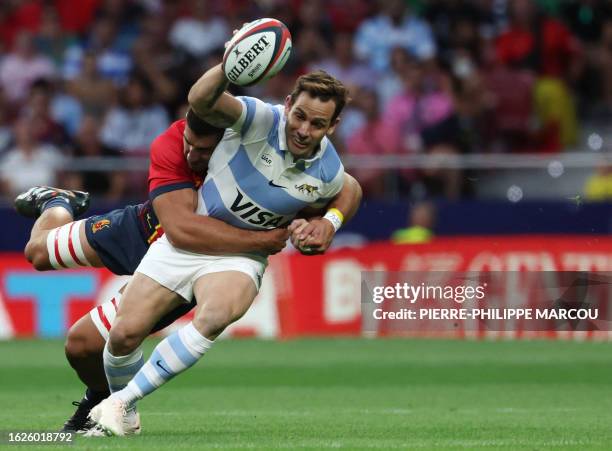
(347, 201)
(202, 234)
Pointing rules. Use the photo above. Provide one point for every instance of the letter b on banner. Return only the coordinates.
(342, 291)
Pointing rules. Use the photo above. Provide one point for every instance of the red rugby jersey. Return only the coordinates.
(168, 171)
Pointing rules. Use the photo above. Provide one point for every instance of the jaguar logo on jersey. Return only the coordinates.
(99, 225)
(254, 214)
(305, 188)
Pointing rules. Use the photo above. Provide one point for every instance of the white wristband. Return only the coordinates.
(334, 218)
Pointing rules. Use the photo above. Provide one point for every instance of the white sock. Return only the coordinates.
(121, 369)
(171, 356)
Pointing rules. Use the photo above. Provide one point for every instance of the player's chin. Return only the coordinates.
(299, 150)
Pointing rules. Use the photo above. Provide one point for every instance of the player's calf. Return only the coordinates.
(84, 347)
(84, 350)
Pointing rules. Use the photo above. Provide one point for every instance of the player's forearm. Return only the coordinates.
(202, 234)
(347, 201)
(206, 235)
(208, 99)
(205, 93)
(314, 236)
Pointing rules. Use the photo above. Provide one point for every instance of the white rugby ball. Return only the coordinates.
(257, 52)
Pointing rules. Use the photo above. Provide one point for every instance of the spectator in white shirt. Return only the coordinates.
(29, 162)
(21, 67)
(394, 27)
(136, 122)
(201, 33)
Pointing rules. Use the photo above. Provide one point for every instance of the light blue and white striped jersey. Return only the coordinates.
(253, 181)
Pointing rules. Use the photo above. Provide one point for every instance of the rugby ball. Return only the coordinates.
(257, 52)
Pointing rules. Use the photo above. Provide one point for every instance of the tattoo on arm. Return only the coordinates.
(214, 116)
(215, 96)
(219, 119)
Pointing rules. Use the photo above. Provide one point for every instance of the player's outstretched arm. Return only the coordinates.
(205, 235)
(314, 236)
(209, 100)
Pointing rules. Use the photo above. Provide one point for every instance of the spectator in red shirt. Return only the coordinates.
(16, 17)
(546, 47)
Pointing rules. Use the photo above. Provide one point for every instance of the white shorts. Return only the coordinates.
(178, 270)
(103, 315)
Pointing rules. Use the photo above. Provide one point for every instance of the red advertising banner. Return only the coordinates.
(322, 295)
(300, 295)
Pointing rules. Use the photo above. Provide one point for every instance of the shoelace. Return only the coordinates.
(123, 410)
(80, 416)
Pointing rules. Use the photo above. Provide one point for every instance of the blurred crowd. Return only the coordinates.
(93, 78)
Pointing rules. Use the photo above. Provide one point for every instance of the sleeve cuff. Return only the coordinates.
(237, 126)
(171, 187)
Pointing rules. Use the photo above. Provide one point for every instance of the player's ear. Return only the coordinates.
(332, 127)
(288, 104)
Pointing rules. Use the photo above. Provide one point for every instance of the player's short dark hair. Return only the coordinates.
(321, 85)
(200, 127)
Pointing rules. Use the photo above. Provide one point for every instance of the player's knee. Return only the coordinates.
(123, 339)
(36, 253)
(211, 321)
(77, 346)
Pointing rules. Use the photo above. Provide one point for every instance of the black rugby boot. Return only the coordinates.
(32, 202)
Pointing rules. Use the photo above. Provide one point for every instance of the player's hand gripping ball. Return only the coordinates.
(257, 52)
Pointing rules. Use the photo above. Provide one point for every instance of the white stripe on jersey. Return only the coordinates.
(253, 181)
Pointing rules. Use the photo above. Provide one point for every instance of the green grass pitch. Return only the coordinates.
(343, 393)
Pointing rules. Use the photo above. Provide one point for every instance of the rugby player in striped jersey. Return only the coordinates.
(118, 240)
(273, 162)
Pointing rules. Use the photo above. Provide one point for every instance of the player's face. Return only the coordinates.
(308, 121)
(198, 149)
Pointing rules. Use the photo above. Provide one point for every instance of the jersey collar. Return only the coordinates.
(282, 137)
